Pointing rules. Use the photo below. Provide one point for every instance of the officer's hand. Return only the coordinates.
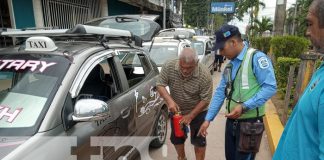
(173, 107)
(203, 129)
(235, 113)
(186, 119)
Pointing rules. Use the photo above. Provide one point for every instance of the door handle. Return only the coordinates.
(125, 113)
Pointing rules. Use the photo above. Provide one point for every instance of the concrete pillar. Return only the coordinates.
(104, 8)
(38, 13)
(12, 15)
(280, 16)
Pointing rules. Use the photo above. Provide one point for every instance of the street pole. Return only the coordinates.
(280, 16)
(294, 20)
(164, 13)
(212, 26)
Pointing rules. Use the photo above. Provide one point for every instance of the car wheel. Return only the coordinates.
(160, 130)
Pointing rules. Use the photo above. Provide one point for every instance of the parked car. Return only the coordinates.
(164, 49)
(144, 26)
(61, 89)
(171, 32)
(203, 46)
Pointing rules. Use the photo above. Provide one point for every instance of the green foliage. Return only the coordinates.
(197, 13)
(289, 46)
(300, 19)
(318, 63)
(282, 68)
(261, 26)
(261, 43)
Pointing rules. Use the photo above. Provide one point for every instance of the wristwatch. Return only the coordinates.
(245, 109)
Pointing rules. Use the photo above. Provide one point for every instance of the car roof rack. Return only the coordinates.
(81, 31)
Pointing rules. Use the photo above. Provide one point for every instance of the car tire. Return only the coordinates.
(160, 129)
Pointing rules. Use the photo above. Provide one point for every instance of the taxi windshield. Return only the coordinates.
(28, 84)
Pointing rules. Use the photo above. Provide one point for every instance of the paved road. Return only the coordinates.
(215, 141)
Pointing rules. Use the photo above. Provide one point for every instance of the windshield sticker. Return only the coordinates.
(11, 116)
(23, 64)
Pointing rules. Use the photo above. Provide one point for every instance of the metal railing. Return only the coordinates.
(64, 14)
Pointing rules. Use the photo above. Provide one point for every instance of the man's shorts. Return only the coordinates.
(195, 124)
(219, 59)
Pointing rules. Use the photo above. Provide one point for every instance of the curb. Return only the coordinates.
(273, 126)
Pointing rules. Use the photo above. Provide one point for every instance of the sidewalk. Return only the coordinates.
(215, 140)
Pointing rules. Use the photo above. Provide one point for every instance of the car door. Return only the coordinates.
(139, 74)
(98, 78)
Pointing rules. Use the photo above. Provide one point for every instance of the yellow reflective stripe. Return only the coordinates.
(245, 68)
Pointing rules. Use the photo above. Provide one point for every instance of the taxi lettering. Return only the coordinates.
(38, 44)
(23, 64)
(5, 112)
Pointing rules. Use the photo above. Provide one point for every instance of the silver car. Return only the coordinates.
(64, 94)
(203, 47)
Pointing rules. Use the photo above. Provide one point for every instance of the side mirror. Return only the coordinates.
(90, 110)
(208, 51)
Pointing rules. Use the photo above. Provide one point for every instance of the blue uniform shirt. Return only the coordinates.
(303, 136)
(263, 70)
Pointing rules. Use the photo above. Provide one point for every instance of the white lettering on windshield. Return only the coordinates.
(11, 116)
(23, 64)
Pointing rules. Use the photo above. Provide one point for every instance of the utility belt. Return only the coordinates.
(247, 119)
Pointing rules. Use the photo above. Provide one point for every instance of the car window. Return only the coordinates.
(162, 53)
(99, 83)
(121, 54)
(136, 67)
(27, 86)
(198, 46)
(209, 46)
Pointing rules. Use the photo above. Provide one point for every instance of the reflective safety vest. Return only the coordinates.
(244, 87)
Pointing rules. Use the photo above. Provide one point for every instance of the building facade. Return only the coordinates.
(64, 14)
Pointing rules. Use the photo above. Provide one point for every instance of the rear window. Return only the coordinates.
(198, 46)
(163, 53)
(28, 84)
(140, 27)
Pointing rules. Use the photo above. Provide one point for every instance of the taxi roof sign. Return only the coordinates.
(40, 44)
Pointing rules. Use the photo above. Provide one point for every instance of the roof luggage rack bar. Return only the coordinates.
(81, 31)
(108, 32)
(20, 33)
(78, 29)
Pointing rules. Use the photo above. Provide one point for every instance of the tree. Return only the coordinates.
(197, 13)
(248, 6)
(261, 26)
(300, 19)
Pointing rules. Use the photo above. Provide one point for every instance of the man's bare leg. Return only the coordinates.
(181, 151)
(200, 153)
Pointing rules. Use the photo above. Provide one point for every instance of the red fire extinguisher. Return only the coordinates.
(178, 131)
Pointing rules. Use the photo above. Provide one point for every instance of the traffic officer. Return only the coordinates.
(248, 81)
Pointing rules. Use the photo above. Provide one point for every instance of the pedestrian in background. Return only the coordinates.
(190, 85)
(303, 136)
(219, 60)
(248, 81)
